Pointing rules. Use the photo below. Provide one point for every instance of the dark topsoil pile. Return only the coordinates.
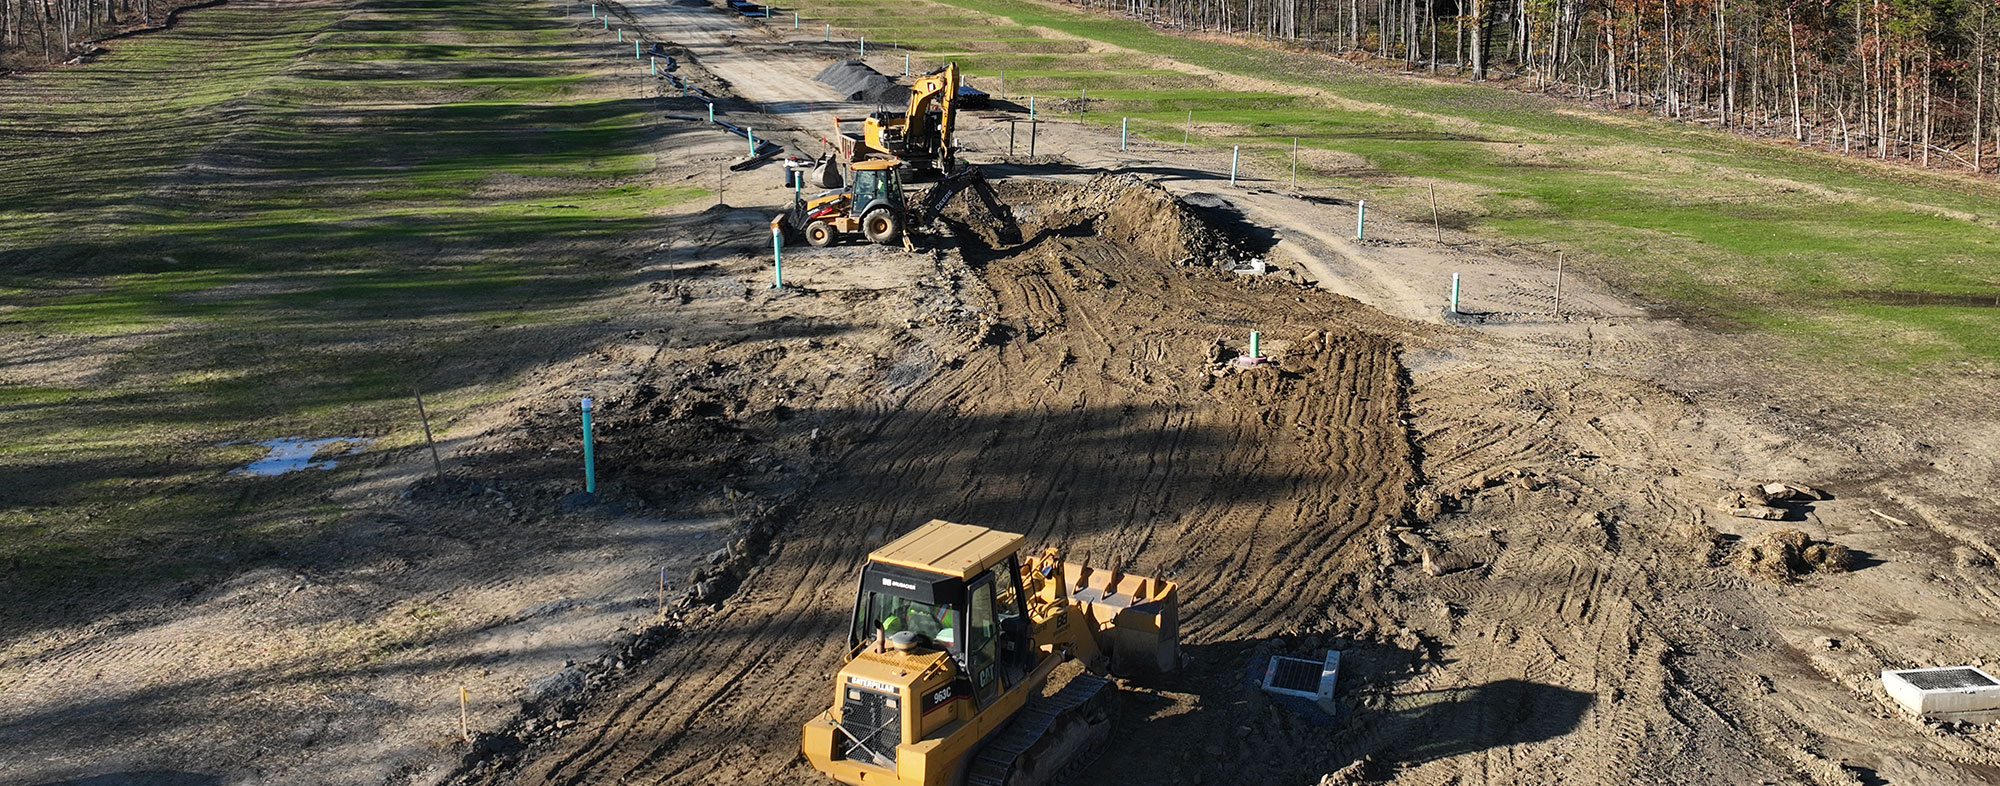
(1136, 216)
(857, 82)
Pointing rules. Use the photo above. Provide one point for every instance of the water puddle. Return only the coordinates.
(291, 454)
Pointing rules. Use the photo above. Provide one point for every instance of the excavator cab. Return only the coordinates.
(954, 635)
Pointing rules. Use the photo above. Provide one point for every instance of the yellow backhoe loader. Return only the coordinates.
(921, 136)
(872, 204)
(954, 637)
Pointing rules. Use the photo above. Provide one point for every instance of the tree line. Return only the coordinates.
(1912, 80)
(45, 32)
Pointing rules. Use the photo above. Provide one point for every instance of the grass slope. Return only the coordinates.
(279, 223)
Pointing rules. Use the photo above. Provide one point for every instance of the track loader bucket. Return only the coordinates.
(1137, 620)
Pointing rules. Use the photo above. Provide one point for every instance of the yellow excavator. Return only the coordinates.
(920, 136)
(954, 637)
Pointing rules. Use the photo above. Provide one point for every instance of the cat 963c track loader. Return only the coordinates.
(954, 637)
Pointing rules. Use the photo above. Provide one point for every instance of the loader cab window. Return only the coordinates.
(999, 646)
(890, 614)
(1017, 641)
(983, 641)
(870, 185)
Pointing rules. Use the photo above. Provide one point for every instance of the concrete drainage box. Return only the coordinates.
(1305, 679)
(1951, 693)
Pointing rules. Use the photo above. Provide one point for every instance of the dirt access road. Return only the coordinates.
(1603, 634)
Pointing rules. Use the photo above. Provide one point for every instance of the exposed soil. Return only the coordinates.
(1084, 410)
(1504, 520)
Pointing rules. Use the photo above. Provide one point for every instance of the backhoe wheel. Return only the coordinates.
(821, 234)
(882, 225)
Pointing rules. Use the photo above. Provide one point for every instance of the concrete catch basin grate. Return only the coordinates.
(1951, 693)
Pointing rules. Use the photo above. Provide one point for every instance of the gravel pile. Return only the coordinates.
(857, 82)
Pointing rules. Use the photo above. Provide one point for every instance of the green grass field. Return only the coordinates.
(264, 225)
(1832, 254)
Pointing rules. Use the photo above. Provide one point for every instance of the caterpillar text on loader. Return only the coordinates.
(921, 135)
(954, 636)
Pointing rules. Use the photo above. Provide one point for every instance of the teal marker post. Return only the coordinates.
(906, 64)
(828, 35)
(1235, 155)
(777, 258)
(751, 134)
(1031, 109)
(635, 50)
(593, 10)
(621, 37)
(589, 452)
(864, 46)
(795, 20)
(1360, 219)
(1454, 293)
(1254, 336)
(711, 113)
(1124, 132)
(653, 66)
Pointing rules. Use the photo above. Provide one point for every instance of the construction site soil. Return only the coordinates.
(1067, 377)
(1511, 551)
(1505, 521)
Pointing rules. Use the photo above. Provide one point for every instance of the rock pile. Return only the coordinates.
(1756, 502)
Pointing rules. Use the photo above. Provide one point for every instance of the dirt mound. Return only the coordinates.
(857, 82)
(1140, 218)
(1782, 556)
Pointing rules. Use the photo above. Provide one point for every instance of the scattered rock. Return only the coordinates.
(1438, 562)
(1791, 491)
(1746, 505)
(556, 689)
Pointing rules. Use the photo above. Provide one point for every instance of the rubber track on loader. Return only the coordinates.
(995, 760)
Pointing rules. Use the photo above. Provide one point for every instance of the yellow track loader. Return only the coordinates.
(920, 136)
(954, 636)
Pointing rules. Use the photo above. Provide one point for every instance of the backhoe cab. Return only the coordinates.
(871, 204)
(954, 637)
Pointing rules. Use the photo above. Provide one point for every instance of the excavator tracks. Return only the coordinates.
(1047, 737)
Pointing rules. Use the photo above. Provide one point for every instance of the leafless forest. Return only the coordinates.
(1914, 80)
(43, 32)
(1900, 79)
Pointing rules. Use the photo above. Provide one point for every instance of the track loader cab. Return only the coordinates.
(954, 634)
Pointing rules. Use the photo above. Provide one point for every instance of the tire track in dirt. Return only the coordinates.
(1093, 423)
